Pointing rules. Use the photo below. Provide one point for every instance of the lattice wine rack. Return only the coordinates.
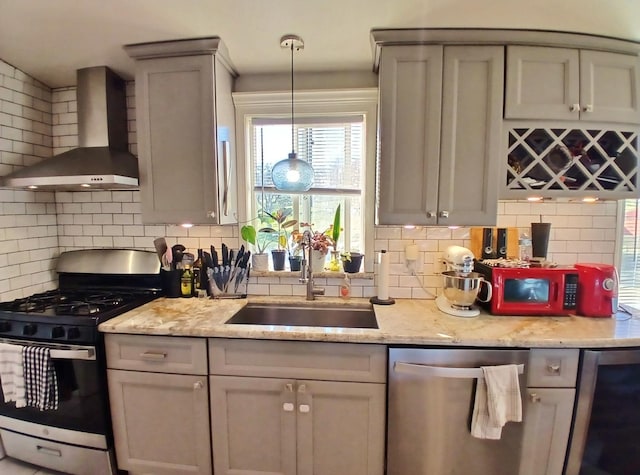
(572, 162)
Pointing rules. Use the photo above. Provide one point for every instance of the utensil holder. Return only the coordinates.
(170, 281)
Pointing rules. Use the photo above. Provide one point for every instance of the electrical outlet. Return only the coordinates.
(412, 259)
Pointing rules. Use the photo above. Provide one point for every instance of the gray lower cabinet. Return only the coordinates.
(547, 424)
(572, 84)
(266, 424)
(186, 132)
(440, 124)
(160, 419)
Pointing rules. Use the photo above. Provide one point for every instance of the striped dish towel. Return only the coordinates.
(41, 383)
(497, 401)
(12, 373)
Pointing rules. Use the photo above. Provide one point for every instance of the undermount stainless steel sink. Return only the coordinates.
(308, 316)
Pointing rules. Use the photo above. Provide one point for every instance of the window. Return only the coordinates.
(629, 287)
(335, 132)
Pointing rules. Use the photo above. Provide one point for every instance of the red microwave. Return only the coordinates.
(530, 291)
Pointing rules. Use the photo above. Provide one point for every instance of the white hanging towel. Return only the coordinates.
(497, 401)
(12, 374)
(41, 383)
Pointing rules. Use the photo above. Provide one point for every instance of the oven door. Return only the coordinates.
(81, 392)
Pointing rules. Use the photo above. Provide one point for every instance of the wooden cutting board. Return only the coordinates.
(476, 241)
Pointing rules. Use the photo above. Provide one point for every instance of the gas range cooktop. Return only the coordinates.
(67, 315)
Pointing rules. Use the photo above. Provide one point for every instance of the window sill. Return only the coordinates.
(323, 274)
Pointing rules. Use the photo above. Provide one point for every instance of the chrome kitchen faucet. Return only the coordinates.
(306, 268)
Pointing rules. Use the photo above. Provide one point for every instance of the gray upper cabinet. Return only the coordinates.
(440, 123)
(186, 132)
(571, 84)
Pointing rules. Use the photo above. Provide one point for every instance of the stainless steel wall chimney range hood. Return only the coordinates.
(102, 159)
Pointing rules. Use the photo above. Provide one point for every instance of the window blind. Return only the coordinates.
(629, 286)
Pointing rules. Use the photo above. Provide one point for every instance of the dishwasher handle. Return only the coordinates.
(442, 371)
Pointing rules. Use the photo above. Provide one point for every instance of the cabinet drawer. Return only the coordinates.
(553, 368)
(56, 456)
(293, 359)
(158, 354)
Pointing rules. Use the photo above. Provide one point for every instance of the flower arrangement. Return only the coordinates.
(322, 241)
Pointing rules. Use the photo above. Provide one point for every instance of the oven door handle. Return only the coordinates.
(443, 371)
(87, 355)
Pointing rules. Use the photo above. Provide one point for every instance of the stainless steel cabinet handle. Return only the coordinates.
(73, 354)
(431, 214)
(288, 407)
(534, 398)
(553, 368)
(304, 408)
(444, 214)
(302, 388)
(198, 385)
(226, 163)
(49, 451)
(443, 372)
(153, 355)
(574, 107)
(288, 387)
(588, 108)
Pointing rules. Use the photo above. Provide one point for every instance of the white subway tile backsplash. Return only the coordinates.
(36, 122)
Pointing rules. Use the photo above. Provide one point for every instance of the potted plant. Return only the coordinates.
(280, 217)
(295, 250)
(351, 261)
(260, 240)
(334, 230)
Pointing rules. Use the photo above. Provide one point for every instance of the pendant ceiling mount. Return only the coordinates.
(292, 174)
(292, 40)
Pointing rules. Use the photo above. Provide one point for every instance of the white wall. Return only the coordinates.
(35, 227)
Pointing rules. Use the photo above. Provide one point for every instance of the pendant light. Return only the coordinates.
(292, 174)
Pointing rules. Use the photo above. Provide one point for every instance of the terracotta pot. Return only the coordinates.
(354, 264)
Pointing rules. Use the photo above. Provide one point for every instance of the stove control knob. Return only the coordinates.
(57, 332)
(5, 326)
(73, 333)
(29, 329)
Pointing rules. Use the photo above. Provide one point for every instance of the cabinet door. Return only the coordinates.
(547, 423)
(609, 87)
(410, 103)
(470, 138)
(175, 113)
(160, 422)
(253, 426)
(340, 428)
(542, 83)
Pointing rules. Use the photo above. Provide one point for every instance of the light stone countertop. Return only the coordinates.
(417, 322)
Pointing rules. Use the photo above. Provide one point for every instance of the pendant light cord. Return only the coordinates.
(292, 122)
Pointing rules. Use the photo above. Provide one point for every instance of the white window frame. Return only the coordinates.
(312, 103)
(621, 211)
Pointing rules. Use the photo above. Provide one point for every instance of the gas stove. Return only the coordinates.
(93, 287)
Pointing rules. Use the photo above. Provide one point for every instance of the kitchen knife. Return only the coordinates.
(206, 257)
(240, 255)
(225, 255)
(214, 256)
(240, 275)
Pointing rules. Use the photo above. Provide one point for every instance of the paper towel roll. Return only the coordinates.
(383, 275)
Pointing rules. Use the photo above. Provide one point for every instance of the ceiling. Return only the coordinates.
(50, 40)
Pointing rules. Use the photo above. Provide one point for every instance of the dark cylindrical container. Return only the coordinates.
(540, 239)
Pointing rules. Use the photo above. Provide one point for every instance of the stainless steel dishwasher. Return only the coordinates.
(431, 397)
